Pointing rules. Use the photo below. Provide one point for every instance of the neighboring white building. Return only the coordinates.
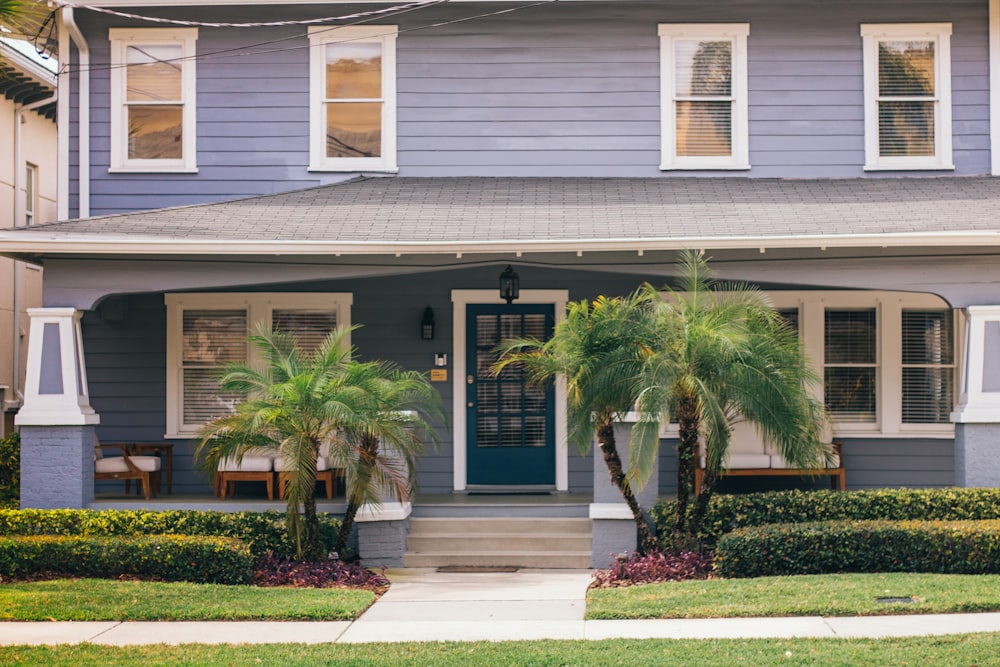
(27, 196)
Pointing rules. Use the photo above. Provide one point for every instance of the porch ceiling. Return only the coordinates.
(389, 215)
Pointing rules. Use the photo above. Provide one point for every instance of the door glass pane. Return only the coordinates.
(155, 132)
(486, 432)
(534, 432)
(510, 432)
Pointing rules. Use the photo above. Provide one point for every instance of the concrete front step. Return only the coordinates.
(499, 541)
(449, 542)
(524, 525)
(549, 560)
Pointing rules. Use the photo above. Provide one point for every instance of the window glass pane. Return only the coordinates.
(703, 68)
(906, 128)
(928, 395)
(203, 400)
(354, 71)
(704, 128)
(310, 327)
(155, 132)
(850, 393)
(354, 129)
(906, 68)
(214, 337)
(850, 336)
(153, 73)
(791, 317)
(927, 337)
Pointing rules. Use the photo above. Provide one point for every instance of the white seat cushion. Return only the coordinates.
(115, 464)
(743, 461)
(779, 463)
(322, 463)
(249, 463)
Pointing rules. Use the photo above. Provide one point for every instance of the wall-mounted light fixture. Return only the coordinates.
(427, 324)
(510, 285)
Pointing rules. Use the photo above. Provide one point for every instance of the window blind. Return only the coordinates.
(211, 339)
(928, 366)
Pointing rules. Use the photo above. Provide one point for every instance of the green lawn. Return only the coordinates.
(110, 600)
(980, 649)
(810, 595)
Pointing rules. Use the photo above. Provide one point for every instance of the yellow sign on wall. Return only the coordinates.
(439, 375)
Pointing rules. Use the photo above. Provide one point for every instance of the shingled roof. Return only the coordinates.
(447, 213)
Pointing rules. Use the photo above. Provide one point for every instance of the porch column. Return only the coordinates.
(56, 420)
(613, 526)
(977, 417)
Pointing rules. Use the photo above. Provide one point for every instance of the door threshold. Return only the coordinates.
(510, 489)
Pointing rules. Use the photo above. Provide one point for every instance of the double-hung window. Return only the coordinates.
(703, 88)
(353, 98)
(207, 331)
(907, 70)
(30, 193)
(153, 99)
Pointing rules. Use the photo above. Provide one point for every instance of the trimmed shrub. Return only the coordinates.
(653, 568)
(263, 532)
(729, 512)
(944, 547)
(219, 560)
(10, 471)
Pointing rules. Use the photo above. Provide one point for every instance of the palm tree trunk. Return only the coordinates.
(312, 549)
(701, 506)
(367, 454)
(609, 449)
(687, 421)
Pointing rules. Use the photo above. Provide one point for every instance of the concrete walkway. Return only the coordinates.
(425, 605)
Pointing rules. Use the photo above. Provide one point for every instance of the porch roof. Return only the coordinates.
(447, 215)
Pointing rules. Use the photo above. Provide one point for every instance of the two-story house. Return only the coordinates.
(27, 196)
(312, 164)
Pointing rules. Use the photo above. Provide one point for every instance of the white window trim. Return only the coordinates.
(737, 33)
(319, 37)
(889, 306)
(940, 34)
(259, 307)
(121, 38)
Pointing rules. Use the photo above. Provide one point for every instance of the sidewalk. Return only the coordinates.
(424, 605)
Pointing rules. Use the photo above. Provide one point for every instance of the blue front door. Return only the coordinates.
(511, 436)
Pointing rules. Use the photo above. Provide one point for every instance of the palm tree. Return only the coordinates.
(600, 348)
(298, 402)
(384, 434)
(724, 354)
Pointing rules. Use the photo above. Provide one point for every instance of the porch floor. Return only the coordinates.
(424, 505)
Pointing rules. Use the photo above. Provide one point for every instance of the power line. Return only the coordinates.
(256, 24)
(246, 50)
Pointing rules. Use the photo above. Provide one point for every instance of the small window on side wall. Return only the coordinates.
(703, 88)
(153, 99)
(907, 86)
(353, 98)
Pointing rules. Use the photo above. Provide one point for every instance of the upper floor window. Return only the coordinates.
(30, 193)
(153, 99)
(207, 331)
(353, 98)
(703, 88)
(907, 96)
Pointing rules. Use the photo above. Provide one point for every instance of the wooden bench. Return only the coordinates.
(836, 474)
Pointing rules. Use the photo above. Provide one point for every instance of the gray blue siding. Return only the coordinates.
(570, 89)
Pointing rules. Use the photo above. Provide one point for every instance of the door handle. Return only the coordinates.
(471, 404)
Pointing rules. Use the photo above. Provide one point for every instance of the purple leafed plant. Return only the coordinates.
(273, 571)
(653, 567)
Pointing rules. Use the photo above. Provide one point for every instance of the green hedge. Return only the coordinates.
(729, 512)
(10, 471)
(220, 560)
(946, 547)
(262, 532)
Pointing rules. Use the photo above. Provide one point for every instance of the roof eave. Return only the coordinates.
(24, 247)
